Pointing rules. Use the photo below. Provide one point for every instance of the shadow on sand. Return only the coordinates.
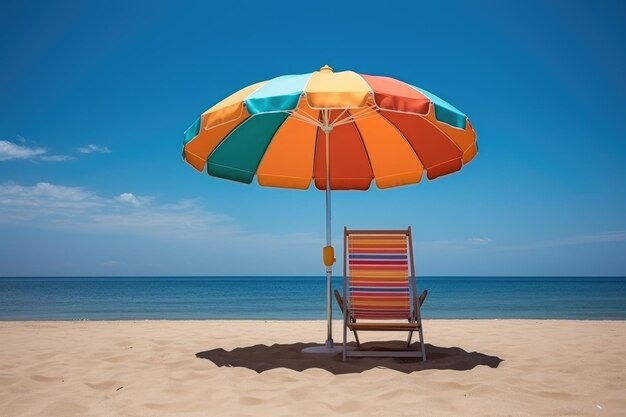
(262, 358)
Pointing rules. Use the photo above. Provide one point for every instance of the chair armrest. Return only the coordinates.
(422, 297)
(418, 303)
(339, 300)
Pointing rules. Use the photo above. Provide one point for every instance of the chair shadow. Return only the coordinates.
(260, 358)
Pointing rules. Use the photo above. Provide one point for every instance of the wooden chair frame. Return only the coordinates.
(414, 323)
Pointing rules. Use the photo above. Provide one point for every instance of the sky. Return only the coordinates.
(94, 97)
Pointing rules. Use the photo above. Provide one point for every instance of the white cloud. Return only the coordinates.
(44, 194)
(166, 238)
(73, 209)
(10, 150)
(479, 241)
(129, 198)
(46, 205)
(170, 221)
(91, 148)
(57, 158)
(104, 235)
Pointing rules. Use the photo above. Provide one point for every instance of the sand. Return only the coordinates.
(256, 368)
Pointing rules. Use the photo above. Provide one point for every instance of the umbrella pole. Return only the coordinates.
(328, 259)
(328, 251)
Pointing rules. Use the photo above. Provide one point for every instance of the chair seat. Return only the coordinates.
(384, 326)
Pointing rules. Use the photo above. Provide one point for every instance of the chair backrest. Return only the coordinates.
(380, 275)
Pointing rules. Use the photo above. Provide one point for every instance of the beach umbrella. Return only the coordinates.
(339, 130)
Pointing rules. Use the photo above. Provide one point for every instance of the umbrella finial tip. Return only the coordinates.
(326, 68)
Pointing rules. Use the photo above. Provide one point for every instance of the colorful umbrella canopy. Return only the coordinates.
(386, 130)
(342, 130)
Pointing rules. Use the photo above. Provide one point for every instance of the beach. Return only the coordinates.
(256, 368)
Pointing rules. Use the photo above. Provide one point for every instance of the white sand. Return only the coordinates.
(211, 368)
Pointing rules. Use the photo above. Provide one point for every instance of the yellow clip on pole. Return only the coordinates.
(329, 255)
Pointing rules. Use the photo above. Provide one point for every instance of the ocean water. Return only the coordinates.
(296, 298)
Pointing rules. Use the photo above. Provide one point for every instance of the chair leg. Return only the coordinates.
(345, 341)
(421, 334)
(408, 341)
(345, 334)
(356, 337)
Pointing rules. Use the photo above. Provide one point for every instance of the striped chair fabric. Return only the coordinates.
(379, 284)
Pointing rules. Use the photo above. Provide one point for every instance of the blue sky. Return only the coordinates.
(94, 97)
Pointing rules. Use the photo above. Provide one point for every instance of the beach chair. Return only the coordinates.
(379, 289)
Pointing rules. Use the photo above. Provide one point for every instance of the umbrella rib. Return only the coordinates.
(362, 111)
(338, 117)
(302, 111)
(303, 116)
(325, 118)
(361, 114)
(351, 117)
(351, 120)
(306, 118)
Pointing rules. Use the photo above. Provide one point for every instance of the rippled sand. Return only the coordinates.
(256, 368)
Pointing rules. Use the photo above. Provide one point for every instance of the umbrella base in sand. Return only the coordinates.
(323, 349)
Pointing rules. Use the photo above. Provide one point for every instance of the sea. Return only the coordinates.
(301, 298)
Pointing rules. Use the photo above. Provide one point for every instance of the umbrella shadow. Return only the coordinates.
(260, 358)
